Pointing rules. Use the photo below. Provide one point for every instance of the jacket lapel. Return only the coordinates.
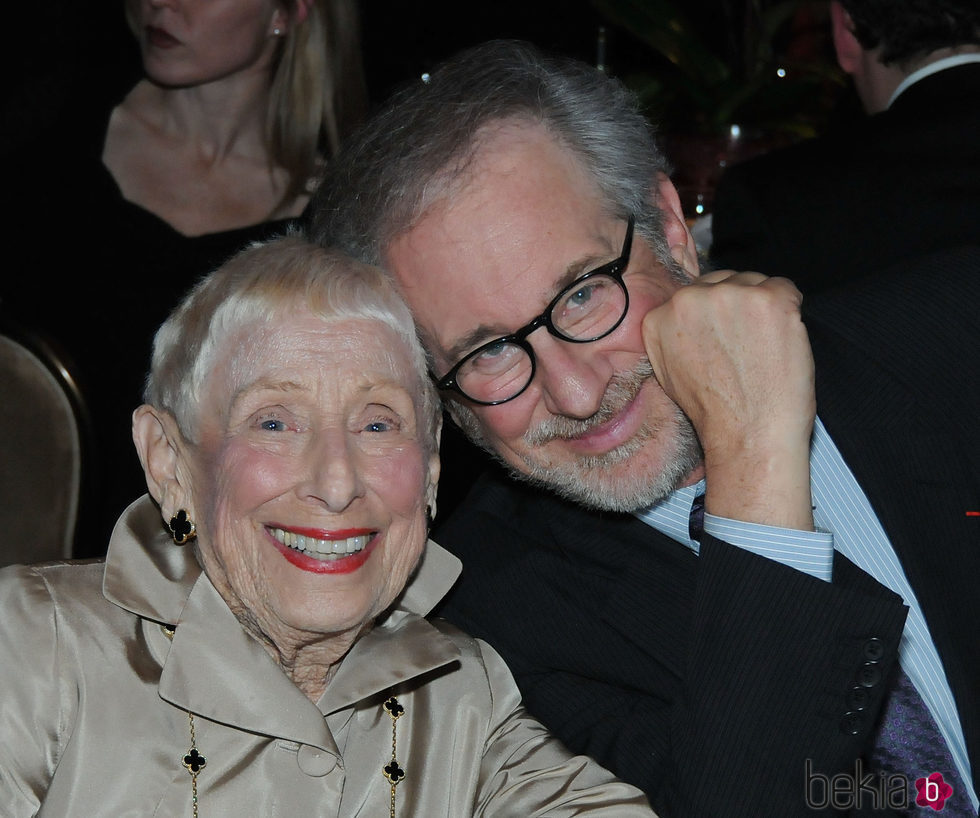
(213, 668)
(650, 578)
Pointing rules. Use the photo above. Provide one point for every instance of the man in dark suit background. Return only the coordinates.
(904, 180)
(751, 667)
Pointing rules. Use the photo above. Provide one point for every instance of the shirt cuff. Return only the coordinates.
(809, 551)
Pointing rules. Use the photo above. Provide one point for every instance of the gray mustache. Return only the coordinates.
(622, 389)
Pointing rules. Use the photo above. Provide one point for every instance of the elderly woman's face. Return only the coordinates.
(311, 475)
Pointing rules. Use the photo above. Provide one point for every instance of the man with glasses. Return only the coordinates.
(588, 309)
(664, 566)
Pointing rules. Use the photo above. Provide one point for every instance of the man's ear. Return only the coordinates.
(159, 446)
(849, 52)
(679, 239)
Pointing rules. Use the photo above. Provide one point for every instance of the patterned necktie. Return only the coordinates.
(695, 524)
(908, 743)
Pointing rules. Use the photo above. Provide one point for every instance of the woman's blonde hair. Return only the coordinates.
(318, 89)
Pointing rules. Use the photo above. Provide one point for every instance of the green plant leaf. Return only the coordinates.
(661, 25)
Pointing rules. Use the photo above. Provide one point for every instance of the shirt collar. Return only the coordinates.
(146, 574)
(932, 68)
(672, 514)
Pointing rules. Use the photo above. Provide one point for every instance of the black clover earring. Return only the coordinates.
(181, 528)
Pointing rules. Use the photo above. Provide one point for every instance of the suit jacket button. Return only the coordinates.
(874, 650)
(851, 724)
(869, 675)
(858, 698)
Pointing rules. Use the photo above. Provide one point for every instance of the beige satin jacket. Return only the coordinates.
(95, 697)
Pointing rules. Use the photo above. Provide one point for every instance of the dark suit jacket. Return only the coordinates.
(710, 681)
(899, 183)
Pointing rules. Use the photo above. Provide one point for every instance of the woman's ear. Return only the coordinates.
(435, 467)
(303, 9)
(159, 445)
(679, 239)
(285, 15)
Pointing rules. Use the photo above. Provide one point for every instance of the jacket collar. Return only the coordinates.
(214, 668)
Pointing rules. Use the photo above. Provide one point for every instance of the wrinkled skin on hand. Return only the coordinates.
(732, 351)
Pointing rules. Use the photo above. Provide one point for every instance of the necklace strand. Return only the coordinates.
(194, 762)
(391, 770)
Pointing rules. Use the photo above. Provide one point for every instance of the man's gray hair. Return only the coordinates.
(410, 153)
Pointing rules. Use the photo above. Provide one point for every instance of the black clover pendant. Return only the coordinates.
(393, 772)
(194, 761)
(393, 707)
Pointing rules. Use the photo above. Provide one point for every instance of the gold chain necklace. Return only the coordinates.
(194, 762)
(391, 770)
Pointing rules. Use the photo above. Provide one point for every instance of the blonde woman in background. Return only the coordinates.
(157, 172)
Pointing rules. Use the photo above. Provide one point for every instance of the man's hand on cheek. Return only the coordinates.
(732, 351)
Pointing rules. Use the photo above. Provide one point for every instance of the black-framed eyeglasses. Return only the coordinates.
(588, 309)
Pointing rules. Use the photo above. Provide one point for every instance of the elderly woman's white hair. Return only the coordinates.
(267, 282)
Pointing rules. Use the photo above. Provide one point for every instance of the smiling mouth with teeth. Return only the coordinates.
(333, 549)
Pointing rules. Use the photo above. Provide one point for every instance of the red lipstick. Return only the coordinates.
(339, 565)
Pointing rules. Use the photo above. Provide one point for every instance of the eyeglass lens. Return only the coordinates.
(585, 311)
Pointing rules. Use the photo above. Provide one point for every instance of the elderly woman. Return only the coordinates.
(264, 651)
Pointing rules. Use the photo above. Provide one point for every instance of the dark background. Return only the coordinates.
(75, 51)
(81, 54)
(402, 40)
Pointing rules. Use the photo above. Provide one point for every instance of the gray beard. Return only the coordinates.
(588, 480)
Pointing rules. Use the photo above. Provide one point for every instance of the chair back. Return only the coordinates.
(45, 440)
